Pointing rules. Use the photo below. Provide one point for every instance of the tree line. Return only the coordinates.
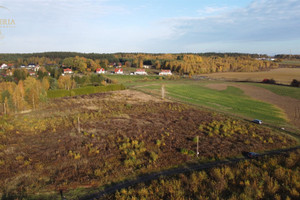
(181, 63)
(27, 94)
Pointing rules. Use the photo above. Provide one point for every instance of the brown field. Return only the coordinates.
(119, 135)
(287, 104)
(281, 75)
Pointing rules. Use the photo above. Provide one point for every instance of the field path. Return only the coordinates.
(289, 105)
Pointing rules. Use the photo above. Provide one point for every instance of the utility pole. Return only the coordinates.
(163, 91)
(197, 146)
(78, 124)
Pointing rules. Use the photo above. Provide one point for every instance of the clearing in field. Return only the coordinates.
(94, 140)
(281, 75)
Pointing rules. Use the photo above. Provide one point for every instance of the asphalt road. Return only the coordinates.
(179, 170)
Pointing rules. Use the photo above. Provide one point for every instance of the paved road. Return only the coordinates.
(169, 172)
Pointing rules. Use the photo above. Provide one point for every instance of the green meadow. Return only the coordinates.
(232, 100)
(131, 78)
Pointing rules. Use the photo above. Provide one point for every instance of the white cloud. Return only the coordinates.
(261, 20)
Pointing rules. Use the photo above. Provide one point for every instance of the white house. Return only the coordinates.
(118, 71)
(165, 73)
(140, 72)
(3, 66)
(146, 66)
(100, 70)
(36, 68)
(31, 66)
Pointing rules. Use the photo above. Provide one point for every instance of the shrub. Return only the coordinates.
(295, 83)
(269, 81)
(153, 156)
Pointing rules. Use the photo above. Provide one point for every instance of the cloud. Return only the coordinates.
(261, 20)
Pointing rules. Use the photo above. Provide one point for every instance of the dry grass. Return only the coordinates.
(282, 75)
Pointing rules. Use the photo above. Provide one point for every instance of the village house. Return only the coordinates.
(68, 71)
(165, 73)
(3, 66)
(31, 66)
(118, 71)
(100, 70)
(140, 72)
(147, 66)
(36, 68)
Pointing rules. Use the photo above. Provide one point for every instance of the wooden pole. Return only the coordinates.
(197, 146)
(78, 124)
(162, 91)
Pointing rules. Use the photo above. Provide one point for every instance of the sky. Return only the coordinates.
(151, 26)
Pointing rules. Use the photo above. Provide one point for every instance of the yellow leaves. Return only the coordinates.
(2, 162)
(19, 158)
(74, 155)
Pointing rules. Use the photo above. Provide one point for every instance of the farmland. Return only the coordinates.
(281, 75)
(94, 140)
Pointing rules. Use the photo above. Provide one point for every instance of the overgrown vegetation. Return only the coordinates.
(94, 140)
(271, 177)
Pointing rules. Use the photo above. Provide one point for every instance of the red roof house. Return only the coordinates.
(68, 71)
(140, 72)
(100, 70)
(118, 71)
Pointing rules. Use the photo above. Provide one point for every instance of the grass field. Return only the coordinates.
(83, 90)
(281, 75)
(131, 78)
(232, 100)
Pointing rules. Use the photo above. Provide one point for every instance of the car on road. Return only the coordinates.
(257, 121)
(252, 155)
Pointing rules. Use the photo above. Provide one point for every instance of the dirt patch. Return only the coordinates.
(287, 104)
(133, 96)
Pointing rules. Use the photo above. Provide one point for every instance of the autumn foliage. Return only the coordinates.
(27, 94)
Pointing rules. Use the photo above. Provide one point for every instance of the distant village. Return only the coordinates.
(113, 68)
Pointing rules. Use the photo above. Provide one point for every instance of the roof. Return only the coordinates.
(100, 69)
(140, 70)
(68, 69)
(119, 69)
(167, 70)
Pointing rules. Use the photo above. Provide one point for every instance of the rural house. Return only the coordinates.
(3, 66)
(118, 71)
(140, 72)
(100, 70)
(165, 73)
(68, 71)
